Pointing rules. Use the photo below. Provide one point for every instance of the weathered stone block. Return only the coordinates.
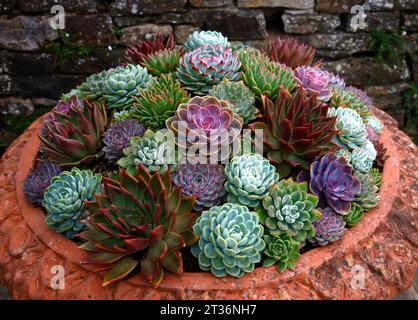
(243, 25)
(339, 6)
(6, 6)
(367, 71)
(291, 4)
(90, 30)
(378, 5)
(210, 3)
(141, 7)
(338, 44)
(6, 86)
(20, 63)
(378, 21)
(16, 106)
(130, 35)
(406, 4)
(48, 86)
(25, 33)
(411, 22)
(181, 32)
(412, 42)
(69, 5)
(100, 59)
(310, 23)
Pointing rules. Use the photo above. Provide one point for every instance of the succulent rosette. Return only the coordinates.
(249, 178)
(230, 240)
(314, 80)
(362, 158)
(207, 124)
(352, 131)
(206, 66)
(375, 124)
(201, 38)
(122, 83)
(142, 50)
(290, 52)
(362, 95)
(329, 228)
(290, 208)
(75, 138)
(64, 200)
(355, 215)
(334, 81)
(332, 180)
(347, 99)
(241, 98)
(38, 179)
(152, 150)
(91, 89)
(282, 251)
(381, 155)
(204, 181)
(118, 136)
(368, 196)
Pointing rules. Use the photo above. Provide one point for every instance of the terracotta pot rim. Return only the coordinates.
(34, 217)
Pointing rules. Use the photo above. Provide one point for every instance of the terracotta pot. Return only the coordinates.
(382, 247)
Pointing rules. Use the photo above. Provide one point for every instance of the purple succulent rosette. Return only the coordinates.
(362, 95)
(314, 80)
(118, 136)
(332, 180)
(208, 124)
(329, 228)
(63, 107)
(38, 179)
(334, 81)
(205, 181)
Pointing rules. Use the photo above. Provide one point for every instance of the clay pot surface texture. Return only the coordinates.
(375, 260)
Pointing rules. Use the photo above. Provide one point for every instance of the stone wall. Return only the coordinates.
(37, 63)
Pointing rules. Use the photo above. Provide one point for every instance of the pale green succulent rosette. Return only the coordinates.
(241, 98)
(249, 178)
(201, 38)
(122, 83)
(368, 197)
(375, 124)
(152, 150)
(230, 240)
(352, 131)
(64, 200)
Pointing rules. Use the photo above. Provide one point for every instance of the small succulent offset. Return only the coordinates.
(206, 66)
(211, 122)
(334, 81)
(355, 215)
(201, 38)
(376, 177)
(374, 123)
(290, 208)
(154, 105)
(290, 52)
(118, 136)
(249, 178)
(368, 196)
(122, 83)
(314, 80)
(152, 150)
(241, 98)
(381, 155)
(332, 180)
(263, 76)
(362, 159)
(329, 228)
(161, 62)
(64, 200)
(296, 129)
(138, 220)
(352, 131)
(75, 138)
(38, 179)
(141, 51)
(347, 99)
(204, 181)
(91, 89)
(282, 251)
(231, 240)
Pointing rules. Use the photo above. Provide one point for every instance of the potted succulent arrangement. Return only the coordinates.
(144, 171)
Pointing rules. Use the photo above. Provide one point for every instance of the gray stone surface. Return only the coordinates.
(291, 4)
(310, 23)
(130, 35)
(141, 7)
(210, 3)
(379, 21)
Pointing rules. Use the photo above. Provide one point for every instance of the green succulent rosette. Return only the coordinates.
(282, 251)
(152, 150)
(290, 208)
(249, 178)
(230, 240)
(368, 197)
(355, 214)
(64, 200)
(201, 38)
